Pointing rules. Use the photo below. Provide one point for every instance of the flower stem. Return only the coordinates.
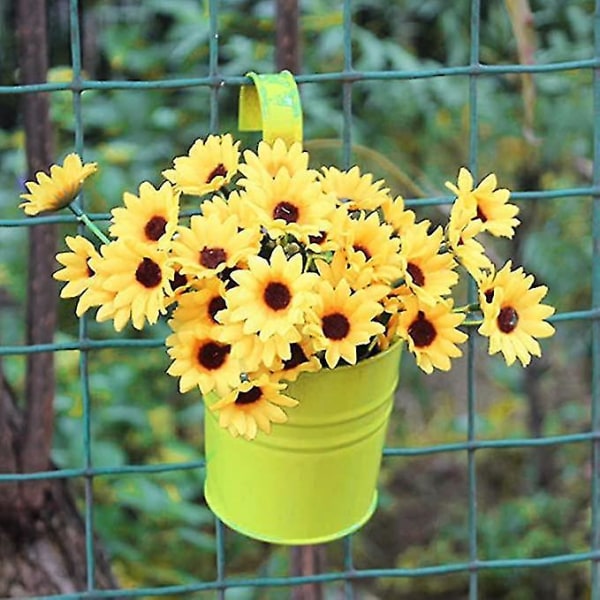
(83, 218)
(472, 323)
(468, 308)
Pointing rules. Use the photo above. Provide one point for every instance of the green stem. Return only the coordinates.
(396, 284)
(473, 307)
(473, 323)
(83, 218)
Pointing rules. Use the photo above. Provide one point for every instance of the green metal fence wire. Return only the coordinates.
(346, 78)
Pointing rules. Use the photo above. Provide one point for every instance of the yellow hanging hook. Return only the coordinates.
(272, 105)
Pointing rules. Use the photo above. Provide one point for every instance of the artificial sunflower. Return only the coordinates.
(253, 406)
(394, 213)
(431, 332)
(255, 353)
(272, 158)
(235, 204)
(390, 335)
(290, 204)
(139, 277)
(354, 190)
(59, 189)
(271, 296)
(302, 360)
(486, 203)
(152, 217)
(343, 320)
(180, 283)
(461, 233)
(107, 311)
(332, 237)
(351, 265)
(198, 308)
(79, 275)
(209, 165)
(372, 244)
(209, 245)
(513, 315)
(429, 272)
(200, 360)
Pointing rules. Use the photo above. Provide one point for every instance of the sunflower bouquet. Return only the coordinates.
(280, 269)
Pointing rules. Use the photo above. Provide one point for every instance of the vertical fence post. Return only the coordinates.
(595, 327)
(471, 393)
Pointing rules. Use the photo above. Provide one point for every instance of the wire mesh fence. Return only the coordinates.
(348, 577)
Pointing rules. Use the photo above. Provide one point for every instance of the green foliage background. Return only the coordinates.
(413, 132)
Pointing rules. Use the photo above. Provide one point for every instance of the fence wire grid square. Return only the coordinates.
(349, 576)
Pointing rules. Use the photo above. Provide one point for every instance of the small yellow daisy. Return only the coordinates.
(341, 321)
(272, 296)
(428, 272)
(486, 203)
(209, 165)
(431, 333)
(461, 233)
(303, 359)
(253, 406)
(79, 275)
(151, 217)
(59, 189)
(272, 158)
(198, 308)
(290, 204)
(354, 190)
(350, 265)
(200, 360)
(397, 215)
(513, 315)
(235, 204)
(209, 246)
(374, 245)
(139, 277)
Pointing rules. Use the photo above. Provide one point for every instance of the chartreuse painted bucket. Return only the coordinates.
(313, 479)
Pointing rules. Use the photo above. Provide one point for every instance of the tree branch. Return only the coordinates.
(287, 46)
(41, 296)
(9, 425)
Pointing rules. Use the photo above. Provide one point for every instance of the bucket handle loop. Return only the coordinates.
(271, 104)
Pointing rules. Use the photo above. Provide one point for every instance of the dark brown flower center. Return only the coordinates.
(148, 273)
(211, 258)
(212, 355)
(277, 295)
(218, 171)
(421, 331)
(90, 271)
(507, 319)
(214, 306)
(335, 326)
(179, 280)
(416, 274)
(297, 358)
(286, 211)
(155, 228)
(361, 248)
(252, 395)
(481, 215)
(318, 239)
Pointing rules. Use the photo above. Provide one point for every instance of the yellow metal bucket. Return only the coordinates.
(313, 479)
